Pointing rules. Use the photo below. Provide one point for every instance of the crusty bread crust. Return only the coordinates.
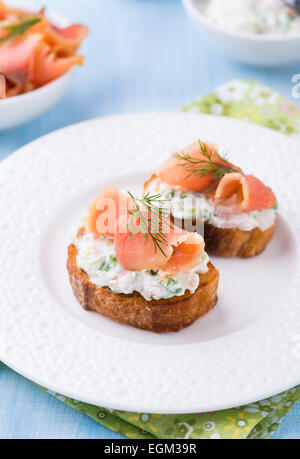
(231, 242)
(159, 316)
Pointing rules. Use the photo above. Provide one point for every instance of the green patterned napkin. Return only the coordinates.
(258, 104)
(252, 102)
(257, 420)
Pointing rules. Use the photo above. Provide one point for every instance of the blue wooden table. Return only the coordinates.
(142, 55)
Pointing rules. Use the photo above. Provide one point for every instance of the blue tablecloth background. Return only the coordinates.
(142, 55)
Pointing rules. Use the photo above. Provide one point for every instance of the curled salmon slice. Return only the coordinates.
(65, 42)
(174, 173)
(228, 185)
(110, 215)
(256, 195)
(251, 192)
(40, 55)
(4, 11)
(75, 32)
(40, 27)
(180, 251)
(15, 58)
(186, 255)
(134, 253)
(46, 67)
(105, 210)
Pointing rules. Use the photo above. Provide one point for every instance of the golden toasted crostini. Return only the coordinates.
(236, 213)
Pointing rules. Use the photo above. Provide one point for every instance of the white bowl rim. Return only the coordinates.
(35, 93)
(270, 37)
(60, 21)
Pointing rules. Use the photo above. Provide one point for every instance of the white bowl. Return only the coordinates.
(25, 107)
(263, 49)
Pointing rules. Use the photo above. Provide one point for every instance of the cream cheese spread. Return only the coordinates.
(96, 256)
(187, 205)
(254, 16)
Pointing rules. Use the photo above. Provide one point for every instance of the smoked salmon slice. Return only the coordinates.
(228, 185)
(15, 58)
(45, 67)
(186, 255)
(134, 253)
(110, 215)
(173, 173)
(181, 250)
(256, 195)
(75, 32)
(34, 52)
(251, 192)
(65, 42)
(105, 210)
(40, 27)
(3, 11)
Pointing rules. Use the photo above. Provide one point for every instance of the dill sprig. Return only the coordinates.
(19, 28)
(150, 218)
(209, 166)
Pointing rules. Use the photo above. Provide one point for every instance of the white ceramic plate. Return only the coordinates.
(248, 348)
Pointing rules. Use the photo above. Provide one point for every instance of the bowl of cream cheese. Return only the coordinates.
(258, 32)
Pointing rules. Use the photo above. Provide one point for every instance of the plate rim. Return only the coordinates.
(90, 401)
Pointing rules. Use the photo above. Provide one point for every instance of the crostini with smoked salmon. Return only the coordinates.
(130, 263)
(235, 212)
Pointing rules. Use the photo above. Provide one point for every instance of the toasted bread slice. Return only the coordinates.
(159, 316)
(230, 242)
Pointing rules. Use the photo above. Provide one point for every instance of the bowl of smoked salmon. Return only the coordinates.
(38, 51)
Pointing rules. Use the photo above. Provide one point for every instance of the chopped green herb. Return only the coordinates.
(203, 258)
(153, 273)
(150, 218)
(171, 282)
(101, 268)
(19, 28)
(95, 262)
(108, 265)
(171, 195)
(211, 163)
